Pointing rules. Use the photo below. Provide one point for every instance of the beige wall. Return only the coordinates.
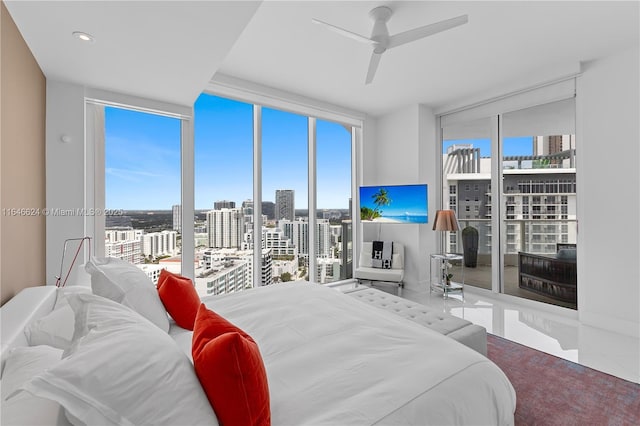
(22, 162)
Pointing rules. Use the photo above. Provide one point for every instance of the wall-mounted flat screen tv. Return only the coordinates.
(394, 204)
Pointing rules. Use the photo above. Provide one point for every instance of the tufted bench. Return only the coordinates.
(459, 329)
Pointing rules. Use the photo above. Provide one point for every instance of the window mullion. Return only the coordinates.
(257, 195)
(497, 206)
(313, 252)
(187, 197)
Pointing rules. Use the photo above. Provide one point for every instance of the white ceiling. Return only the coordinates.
(162, 50)
(168, 50)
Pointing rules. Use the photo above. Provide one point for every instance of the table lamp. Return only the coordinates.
(446, 220)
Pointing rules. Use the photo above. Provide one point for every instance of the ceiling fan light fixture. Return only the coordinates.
(86, 37)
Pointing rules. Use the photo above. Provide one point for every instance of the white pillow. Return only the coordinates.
(125, 283)
(123, 370)
(21, 364)
(56, 328)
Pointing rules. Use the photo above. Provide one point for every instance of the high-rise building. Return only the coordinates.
(225, 228)
(161, 243)
(224, 204)
(117, 234)
(177, 217)
(539, 195)
(285, 206)
(223, 271)
(328, 270)
(298, 232)
(247, 207)
(266, 267)
(269, 209)
(274, 239)
(124, 243)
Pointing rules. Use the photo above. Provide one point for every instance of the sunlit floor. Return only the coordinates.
(551, 332)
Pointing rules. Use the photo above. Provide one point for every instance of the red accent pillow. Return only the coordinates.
(179, 298)
(230, 368)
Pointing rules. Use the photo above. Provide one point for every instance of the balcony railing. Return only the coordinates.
(523, 235)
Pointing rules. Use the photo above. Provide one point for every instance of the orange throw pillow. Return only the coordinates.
(179, 298)
(230, 368)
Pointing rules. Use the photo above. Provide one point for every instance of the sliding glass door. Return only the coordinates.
(540, 202)
(466, 189)
(511, 178)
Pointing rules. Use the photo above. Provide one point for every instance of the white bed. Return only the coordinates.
(332, 360)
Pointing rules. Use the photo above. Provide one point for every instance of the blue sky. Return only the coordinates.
(521, 145)
(143, 157)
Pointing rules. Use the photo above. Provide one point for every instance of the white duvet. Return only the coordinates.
(332, 360)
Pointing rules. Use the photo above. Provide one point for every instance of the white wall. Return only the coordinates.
(65, 170)
(608, 111)
(399, 148)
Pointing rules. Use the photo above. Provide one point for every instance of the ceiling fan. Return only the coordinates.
(380, 39)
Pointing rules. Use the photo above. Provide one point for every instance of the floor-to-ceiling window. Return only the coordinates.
(223, 167)
(286, 156)
(509, 172)
(142, 182)
(231, 193)
(285, 233)
(333, 200)
(134, 177)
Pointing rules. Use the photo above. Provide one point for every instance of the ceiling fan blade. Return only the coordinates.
(373, 66)
(345, 33)
(427, 30)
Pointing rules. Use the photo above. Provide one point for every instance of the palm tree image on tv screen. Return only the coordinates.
(394, 203)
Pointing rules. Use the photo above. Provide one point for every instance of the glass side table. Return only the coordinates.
(439, 265)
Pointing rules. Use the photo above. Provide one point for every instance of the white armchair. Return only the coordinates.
(365, 272)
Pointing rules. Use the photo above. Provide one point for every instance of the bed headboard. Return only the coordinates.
(29, 304)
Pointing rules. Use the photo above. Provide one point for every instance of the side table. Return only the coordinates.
(438, 271)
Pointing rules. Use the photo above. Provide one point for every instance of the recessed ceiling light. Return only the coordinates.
(83, 36)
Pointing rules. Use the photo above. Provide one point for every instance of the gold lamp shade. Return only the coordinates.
(446, 220)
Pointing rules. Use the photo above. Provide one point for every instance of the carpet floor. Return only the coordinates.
(554, 391)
